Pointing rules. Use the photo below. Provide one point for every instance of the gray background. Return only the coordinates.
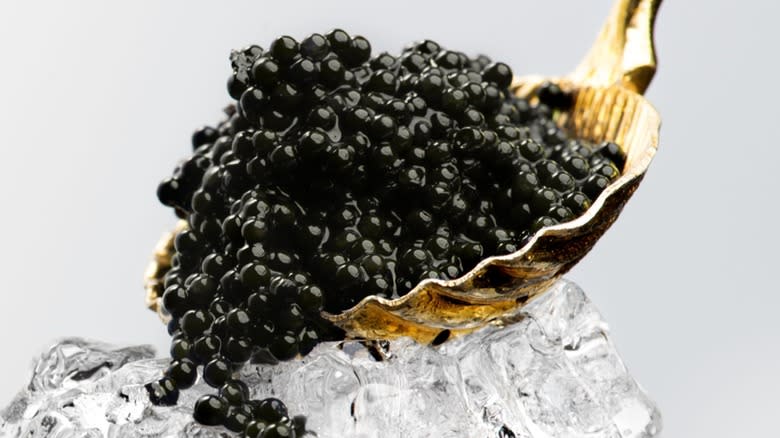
(98, 100)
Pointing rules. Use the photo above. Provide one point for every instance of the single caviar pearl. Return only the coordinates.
(238, 349)
(413, 259)
(414, 62)
(493, 98)
(237, 418)
(541, 222)
(441, 125)
(204, 202)
(545, 169)
(174, 327)
(408, 82)
(263, 333)
(255, 429)
(315, 46)
(254, 275)
(607, 169)
(475, 93)
(307, 340)
(169, 192)
(254, 231)
(210, 410)
(551, 94)
(531, 150)
(577, 165)
(214, 265)
(236, 85)
(594, 185)
(373, 264)
(382, 127)
(279, 430)
(471, 117)
(238, 321)
(203, 135)
(183, 372)
(205, 348)
(560, 213)
(577, 202)
(468, 139)
(283, 287)
(346, 276)
(322, 117)
(195, 322)
(454, 100)
(412, 177)
(202, 289)
(310, 298)
(264, 141)
(251, 104)
(285, 97)
(358, 118)
(448, 59)
(176, 300)
(163, 392)
(291, 317)
(235, 392)
(362, 247)
(420, 222)
(211, 230)
(303, 71)
(370, 226)
(258, 305)
(479, 225)
(415, 104)
(181, 348)
(339, 40)
(542, 199)
(498, 73)
(427, 47)
(285, 347)
(382, 81)
(188, 242)
(332, 72)
(219, 327)
(271, 410)
(612, 152)
(562, 181)
(455, 267)
(507, 247)
(421, 130)
(217, 371)
(524, 185)
(231, 288)
(438, 246)
(437, 196)
(358, 52)
(458, 207)
(431, 88)
(284, 49)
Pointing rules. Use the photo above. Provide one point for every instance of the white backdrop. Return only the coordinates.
(98, 100)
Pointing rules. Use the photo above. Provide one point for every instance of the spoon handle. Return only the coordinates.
(624, 51)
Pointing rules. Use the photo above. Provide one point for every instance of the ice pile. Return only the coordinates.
(552, 372)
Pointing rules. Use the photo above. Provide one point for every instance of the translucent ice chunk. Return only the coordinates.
(551, 372)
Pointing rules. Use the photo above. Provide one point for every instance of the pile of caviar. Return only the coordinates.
(337, 175)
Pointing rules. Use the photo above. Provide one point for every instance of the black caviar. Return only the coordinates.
(337, 175)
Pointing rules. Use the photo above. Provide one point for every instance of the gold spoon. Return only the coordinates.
(607, 89)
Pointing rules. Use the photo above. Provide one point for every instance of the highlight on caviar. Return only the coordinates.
(338, 174)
